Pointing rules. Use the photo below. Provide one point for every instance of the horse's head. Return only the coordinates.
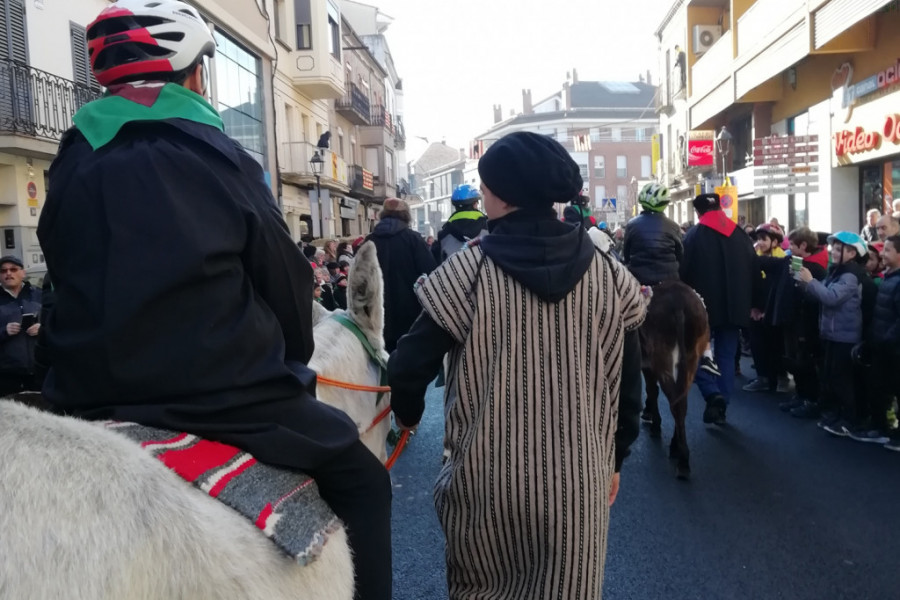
(341, 356)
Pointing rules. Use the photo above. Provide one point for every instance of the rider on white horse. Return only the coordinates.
(181, 301)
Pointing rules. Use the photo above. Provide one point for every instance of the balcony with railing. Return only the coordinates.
(714, 67)
(766, 21)
(380, 116)
(362, 182)
(295, 166)
(38, 105)
(354, 105)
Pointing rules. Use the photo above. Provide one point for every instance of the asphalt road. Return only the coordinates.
(776, 508)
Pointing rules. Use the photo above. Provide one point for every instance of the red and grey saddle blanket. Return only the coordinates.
(284, 505)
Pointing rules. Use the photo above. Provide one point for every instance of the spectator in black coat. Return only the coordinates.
(20, 308)
(719, 263)
(403, 257)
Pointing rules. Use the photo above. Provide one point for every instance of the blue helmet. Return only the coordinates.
(465, 194)
(848, 238)
(603, 226)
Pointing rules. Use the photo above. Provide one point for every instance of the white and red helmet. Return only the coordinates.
(141, 39)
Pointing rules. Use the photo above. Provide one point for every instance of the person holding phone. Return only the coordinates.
(20, 308)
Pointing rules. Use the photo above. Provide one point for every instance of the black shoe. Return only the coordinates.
(809, 410)
(789, 405)
(709, 365)
(715, 410)
(646, 416)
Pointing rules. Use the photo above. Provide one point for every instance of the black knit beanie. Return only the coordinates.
(529, 170)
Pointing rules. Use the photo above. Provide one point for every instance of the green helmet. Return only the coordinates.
(654, 197)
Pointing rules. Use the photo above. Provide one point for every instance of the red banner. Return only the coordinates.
(367, 181)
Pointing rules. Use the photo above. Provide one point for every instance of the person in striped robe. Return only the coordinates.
(540, 328)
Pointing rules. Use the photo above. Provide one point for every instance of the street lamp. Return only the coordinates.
(723, 145)
(317, 164)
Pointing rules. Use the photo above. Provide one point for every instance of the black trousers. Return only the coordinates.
(838, 382)
(13, 383)
(802, 357)
(882, 383)
(767, 347)
(358, 489)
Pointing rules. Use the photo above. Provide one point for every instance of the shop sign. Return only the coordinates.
(860, 141)
(701, 148)
(852, 93)
(368, 182)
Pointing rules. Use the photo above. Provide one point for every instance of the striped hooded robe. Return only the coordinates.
(531, 412)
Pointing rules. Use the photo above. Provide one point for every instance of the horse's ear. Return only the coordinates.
(365, 297)
(319, 313)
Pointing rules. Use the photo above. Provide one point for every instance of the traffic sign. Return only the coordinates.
(786, 170)
(785, 160)
(608, 205)
(791, 189)
(786, 179)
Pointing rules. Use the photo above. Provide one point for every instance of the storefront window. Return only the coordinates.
(872, 189)
(239, 96)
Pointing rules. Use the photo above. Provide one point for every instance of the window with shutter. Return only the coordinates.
(13, 38)
(81, 65)
(15, 105)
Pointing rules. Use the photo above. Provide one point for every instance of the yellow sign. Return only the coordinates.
(728, 198)
(654, 153)
(32, 202)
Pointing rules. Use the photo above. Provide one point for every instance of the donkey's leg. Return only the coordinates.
(679, 448)
(652, 407)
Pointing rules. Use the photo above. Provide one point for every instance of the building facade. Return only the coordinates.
(823, 72)
(607, 127)
(42, 85)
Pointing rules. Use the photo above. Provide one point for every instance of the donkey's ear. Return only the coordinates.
(319, 313)
(365, 297)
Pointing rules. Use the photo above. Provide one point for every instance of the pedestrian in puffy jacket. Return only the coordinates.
(653, 249)
(886, 341)
(844, 296)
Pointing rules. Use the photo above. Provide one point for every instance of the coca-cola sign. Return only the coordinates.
(701, 148)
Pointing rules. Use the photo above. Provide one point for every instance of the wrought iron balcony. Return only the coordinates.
(38, 104)
(380, 116)
(354, 106)
(362, 182)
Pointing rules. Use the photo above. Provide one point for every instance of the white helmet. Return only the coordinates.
(146, 39)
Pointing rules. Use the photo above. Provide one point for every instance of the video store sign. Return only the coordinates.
(701, 148)
(873, 133)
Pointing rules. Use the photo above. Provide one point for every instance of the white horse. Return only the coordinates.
(86, 514)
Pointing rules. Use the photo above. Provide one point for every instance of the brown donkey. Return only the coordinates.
(673, 338)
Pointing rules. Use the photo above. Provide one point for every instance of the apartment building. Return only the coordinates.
(607, 127)
(335, 112)
(821, 74)
(42, 85)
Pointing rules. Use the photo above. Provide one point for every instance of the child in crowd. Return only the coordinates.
(844, 297)
(886, 346)
(766, 338)
(874, 266)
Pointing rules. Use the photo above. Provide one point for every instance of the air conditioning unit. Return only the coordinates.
(704, 37)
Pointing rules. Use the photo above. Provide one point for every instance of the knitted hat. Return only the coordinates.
(529, 170)
(706, 202)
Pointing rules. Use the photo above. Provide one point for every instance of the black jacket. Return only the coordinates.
(17, 351)
(403, 256)
(461, 228)
(181, 300)
(786, 303)
(886, 317)
(720, 264)
(653, 250)
(548, 257)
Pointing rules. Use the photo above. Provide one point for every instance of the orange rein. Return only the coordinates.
(404, 437)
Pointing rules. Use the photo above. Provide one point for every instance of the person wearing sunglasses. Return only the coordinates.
(20, 307)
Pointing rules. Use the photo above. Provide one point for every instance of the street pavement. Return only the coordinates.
(775, 509)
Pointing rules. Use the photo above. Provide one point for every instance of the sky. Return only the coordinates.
(458, 58)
